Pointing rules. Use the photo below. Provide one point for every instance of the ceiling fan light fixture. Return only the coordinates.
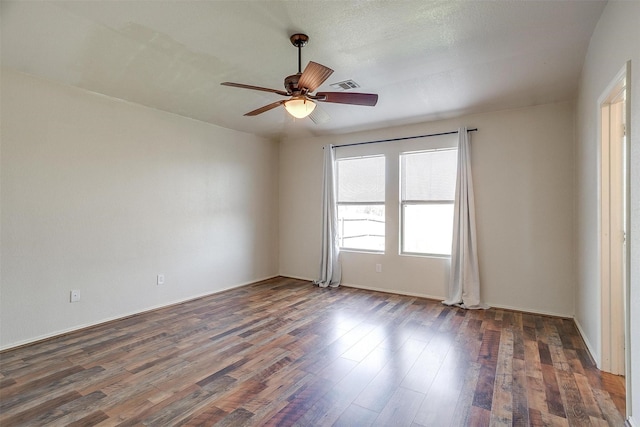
(299, 107)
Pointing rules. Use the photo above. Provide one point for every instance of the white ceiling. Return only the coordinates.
(426, 59)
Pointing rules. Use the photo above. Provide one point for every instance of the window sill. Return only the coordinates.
(419, 255)
(361, 251)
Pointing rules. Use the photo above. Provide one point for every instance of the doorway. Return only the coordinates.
(614, 225)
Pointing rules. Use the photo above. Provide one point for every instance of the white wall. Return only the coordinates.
(523, 176)
(101, 195)
(615, 40)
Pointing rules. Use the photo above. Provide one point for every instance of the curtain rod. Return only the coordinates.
(402, 138)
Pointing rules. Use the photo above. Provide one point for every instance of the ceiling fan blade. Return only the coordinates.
(368, 99)
(313, 76)
(263, 89)
(265, 108)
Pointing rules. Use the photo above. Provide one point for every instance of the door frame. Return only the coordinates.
(610, 350)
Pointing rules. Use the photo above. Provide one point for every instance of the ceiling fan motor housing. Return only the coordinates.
(291, 83)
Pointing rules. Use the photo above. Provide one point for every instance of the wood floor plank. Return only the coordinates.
(300, 402)
(50, 390)
(573, 404)
(536, 395)
(283, 352)
(20, 389)
(92, 419)
(533, 365)
(181, 405)
(483, 396)
(401, 408)
(575, 365)
(206, 417)
(609, 410)
(519, 394)
(426, 367)
(347, 390)
(439, 405)
(502, 400)
(34, 412)
(464, 405)
(82, 408)
(552, 391)
(356, 415)
(376, 395)
(239, 417)
(545, 354)
(268, 403)
(590, 404)
(478, 417)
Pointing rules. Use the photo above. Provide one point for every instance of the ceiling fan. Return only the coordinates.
(300, 86)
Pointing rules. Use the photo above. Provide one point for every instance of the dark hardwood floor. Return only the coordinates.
(283, 352)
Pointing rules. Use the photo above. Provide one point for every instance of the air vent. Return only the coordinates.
(345, 85)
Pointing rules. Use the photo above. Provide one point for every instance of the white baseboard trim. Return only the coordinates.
(531, 310)
(125, 315)
(392, 291)
(438, 297)
(291, 276)
(590, 347)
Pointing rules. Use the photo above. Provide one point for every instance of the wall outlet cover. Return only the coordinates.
(75, 295)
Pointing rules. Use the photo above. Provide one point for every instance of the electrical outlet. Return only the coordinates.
(160, 280)
(378, 268)
(75, 295)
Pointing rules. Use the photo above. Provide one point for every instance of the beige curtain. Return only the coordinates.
(464, 279)
(330, 269)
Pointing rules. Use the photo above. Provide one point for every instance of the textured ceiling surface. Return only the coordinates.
(426, 59)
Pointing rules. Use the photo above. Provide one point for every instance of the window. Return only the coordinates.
(361, 214)
(427, 184)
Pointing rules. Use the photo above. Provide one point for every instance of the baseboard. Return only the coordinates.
(587, 343)
(438, 298)
(291, 276)
(100, 322)
(530, 311)
(369, 288)
(391, 291)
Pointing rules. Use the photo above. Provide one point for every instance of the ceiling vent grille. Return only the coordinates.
(345, 85)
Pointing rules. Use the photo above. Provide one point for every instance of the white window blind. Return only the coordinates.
(430, 175)
(361, 179)
(427, 191)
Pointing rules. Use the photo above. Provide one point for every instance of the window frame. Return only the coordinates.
(363, 203)
(404, 203)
